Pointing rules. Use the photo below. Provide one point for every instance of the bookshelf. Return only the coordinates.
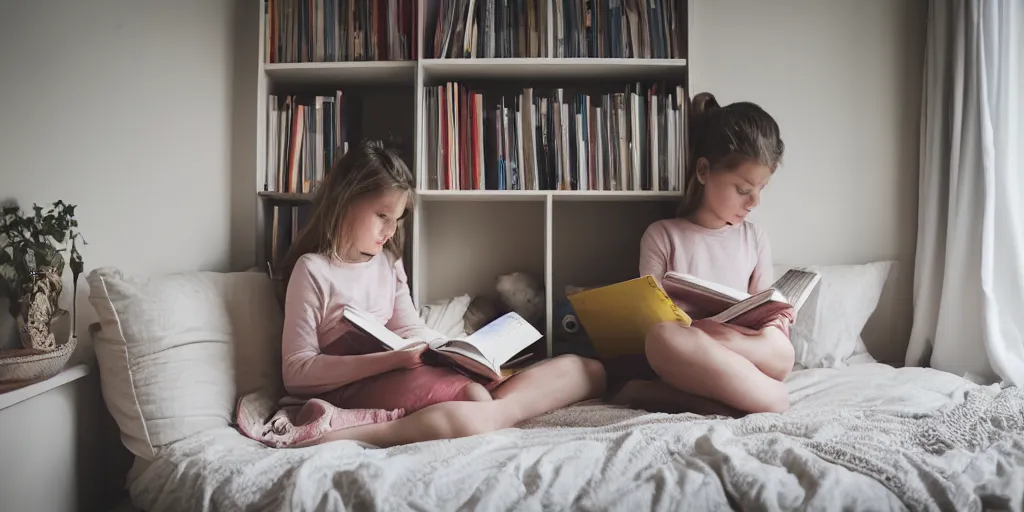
(473, 223)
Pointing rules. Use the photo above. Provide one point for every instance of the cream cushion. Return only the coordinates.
(828, 328)
(176, 351)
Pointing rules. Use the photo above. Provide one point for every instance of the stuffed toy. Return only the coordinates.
(524, 294)
(569, 336)
(518, 291)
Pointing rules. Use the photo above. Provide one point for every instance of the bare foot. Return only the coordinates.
(657, 396)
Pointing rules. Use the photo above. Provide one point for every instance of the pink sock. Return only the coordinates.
(345, 418)
(317, 411)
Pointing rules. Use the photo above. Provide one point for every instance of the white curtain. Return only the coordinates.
(969, 277)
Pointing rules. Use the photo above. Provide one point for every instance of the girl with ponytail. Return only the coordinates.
(710, 367)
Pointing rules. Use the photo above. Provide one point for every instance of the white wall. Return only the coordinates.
(843, 79)
(127, 108)
(141, 112)
(58, 439)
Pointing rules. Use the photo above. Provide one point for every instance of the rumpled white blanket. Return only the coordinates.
(865, 437)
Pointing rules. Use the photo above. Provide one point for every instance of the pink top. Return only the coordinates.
(318, 291)
(737, 256)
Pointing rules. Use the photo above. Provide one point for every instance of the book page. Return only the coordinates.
(796, 284)
(701, 298)
(744, 306)
(503, 338)
(366, 323)
(466, 357)
(686, 284)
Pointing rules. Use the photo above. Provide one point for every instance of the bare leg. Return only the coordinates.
(769, 348)
(475, 393)
(447, 420)
(551, 384)
(546, 386)
(691, 360)
(657, 396)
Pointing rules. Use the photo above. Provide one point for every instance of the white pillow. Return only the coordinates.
(828, 327)
(175, 352)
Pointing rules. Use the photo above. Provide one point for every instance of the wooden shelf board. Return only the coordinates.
(614, 195)
(551, 68)
(508, 195)
(287, 197)
(395, 72)
(540, 195)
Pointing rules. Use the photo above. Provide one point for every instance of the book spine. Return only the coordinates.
(299, 31)
(554, 28)
(627, 145)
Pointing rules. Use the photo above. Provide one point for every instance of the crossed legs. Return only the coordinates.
(706, 368)
(710, 368)
(548, 385)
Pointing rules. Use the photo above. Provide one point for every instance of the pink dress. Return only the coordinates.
(319, 348)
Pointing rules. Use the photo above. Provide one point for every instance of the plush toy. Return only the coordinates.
(524, 294)
(566, 323)
(518, 291)
(569, 336)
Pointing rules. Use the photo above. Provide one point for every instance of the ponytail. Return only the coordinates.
(693, 189)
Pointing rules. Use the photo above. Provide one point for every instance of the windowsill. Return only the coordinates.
(69, 374)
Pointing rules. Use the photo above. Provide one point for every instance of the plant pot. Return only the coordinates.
(35, 332)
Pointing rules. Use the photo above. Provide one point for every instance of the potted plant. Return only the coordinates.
(32, 264)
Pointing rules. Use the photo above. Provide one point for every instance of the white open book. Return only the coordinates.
(483, 353)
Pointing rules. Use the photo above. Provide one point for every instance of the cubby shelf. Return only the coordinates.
(461, 241)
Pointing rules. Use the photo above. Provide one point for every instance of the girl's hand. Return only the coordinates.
(410, 357)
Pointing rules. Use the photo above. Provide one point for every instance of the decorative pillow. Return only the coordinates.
(175, 352)
(828, 328)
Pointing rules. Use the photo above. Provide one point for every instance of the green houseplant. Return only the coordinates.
(32, 263)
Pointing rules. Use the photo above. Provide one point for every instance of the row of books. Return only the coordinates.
(381, 30)
(555, 28)
(339, 30)
(554, 139)
(305, 135)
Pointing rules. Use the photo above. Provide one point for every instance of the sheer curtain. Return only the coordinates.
(969, 278)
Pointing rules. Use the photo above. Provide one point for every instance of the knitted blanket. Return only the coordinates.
(865, 437)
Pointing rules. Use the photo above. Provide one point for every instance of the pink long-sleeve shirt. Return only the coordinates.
(318, 291)
(738, 256)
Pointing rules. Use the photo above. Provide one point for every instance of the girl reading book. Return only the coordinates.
(711, 367)
(349, 254)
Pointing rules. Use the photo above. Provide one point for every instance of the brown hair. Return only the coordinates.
(727, 137)
(367, 169)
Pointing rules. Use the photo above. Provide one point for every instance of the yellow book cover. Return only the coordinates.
(617, 317)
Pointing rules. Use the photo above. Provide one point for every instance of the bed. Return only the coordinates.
(860, 435)
(916, 439)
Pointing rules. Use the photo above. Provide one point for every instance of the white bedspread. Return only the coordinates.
(865, 437)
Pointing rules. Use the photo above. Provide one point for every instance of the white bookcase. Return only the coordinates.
(462, 241)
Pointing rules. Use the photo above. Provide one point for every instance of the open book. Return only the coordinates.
(617, 317)
(723, 304)
(483, 353)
